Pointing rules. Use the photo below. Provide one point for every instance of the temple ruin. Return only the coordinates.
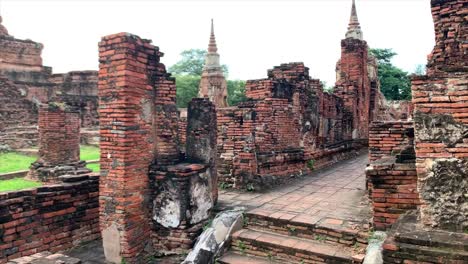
(26, 83)
(298, 174)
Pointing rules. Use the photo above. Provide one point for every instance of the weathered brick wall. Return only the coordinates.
(389, 138)
(399, 109)
(202, 138)
(127, 145)
(393, 190)
(21, 63)
(235, 138)
(391, 176)
(166, 115)
(49, 218)
(449, 53)
(182, 129)
(79, 89)
(16, 110)
(287, 122)
(59, 137)
(59, 143)
(441, 120)
(20, 55)
(186, 192)
(152, 197)
(353, 84)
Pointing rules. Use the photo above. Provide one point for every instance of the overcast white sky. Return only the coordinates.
(252, 36)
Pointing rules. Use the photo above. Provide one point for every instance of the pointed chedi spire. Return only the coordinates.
(212, 45)
(354, 28)
(213, 84)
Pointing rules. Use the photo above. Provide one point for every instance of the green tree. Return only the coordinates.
(187, 72)
(191, 63)
(236, 92)
(187, 88)
(395, 83)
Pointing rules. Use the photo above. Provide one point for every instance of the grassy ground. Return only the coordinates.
(11, 161)
(94, 167)
(89, 153)
(17, 184)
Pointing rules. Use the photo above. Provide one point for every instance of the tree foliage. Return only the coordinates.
(187, 88)
(191, 63)
(236, 92)
(187, 72)
(395, 83)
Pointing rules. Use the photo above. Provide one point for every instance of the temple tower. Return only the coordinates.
(356, 74)
(213, 84)
(354, 28)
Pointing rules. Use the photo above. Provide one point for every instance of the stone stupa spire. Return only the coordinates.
(213, 84)
(212, 45)
(354, 28)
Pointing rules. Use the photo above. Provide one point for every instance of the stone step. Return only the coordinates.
(234, 258)
(330, 230)
(289, 249)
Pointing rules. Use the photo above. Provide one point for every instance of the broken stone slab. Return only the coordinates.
(212, 241)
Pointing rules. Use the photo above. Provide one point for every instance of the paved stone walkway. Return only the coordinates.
(334, 195)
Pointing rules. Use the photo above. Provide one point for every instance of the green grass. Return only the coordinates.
(94, 167)
(89, 153)
(11, 161)
(17, 184)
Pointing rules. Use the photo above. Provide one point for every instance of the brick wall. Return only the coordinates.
(20, 55)
(59, 143)
(202, 138)
(49, 218)
(287, 122)
(21, 63)
(127, 144)
(391, 175)
(16, 110)
(353, 84)
(59, 137)
(434, 232)
(389, 138)
(152, 197)
(393, 190)
(441, 121)
(182, 129)
(449, 53)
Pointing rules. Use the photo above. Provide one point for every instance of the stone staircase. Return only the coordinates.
(291, 238)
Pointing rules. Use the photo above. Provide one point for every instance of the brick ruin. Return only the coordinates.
(289, 125)
(59, 144)
(49, 218)
(279, 130)
(426, 178)
(64, 212)
(160, 165)
(151, 197)
(391, 177)
(25, 78)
